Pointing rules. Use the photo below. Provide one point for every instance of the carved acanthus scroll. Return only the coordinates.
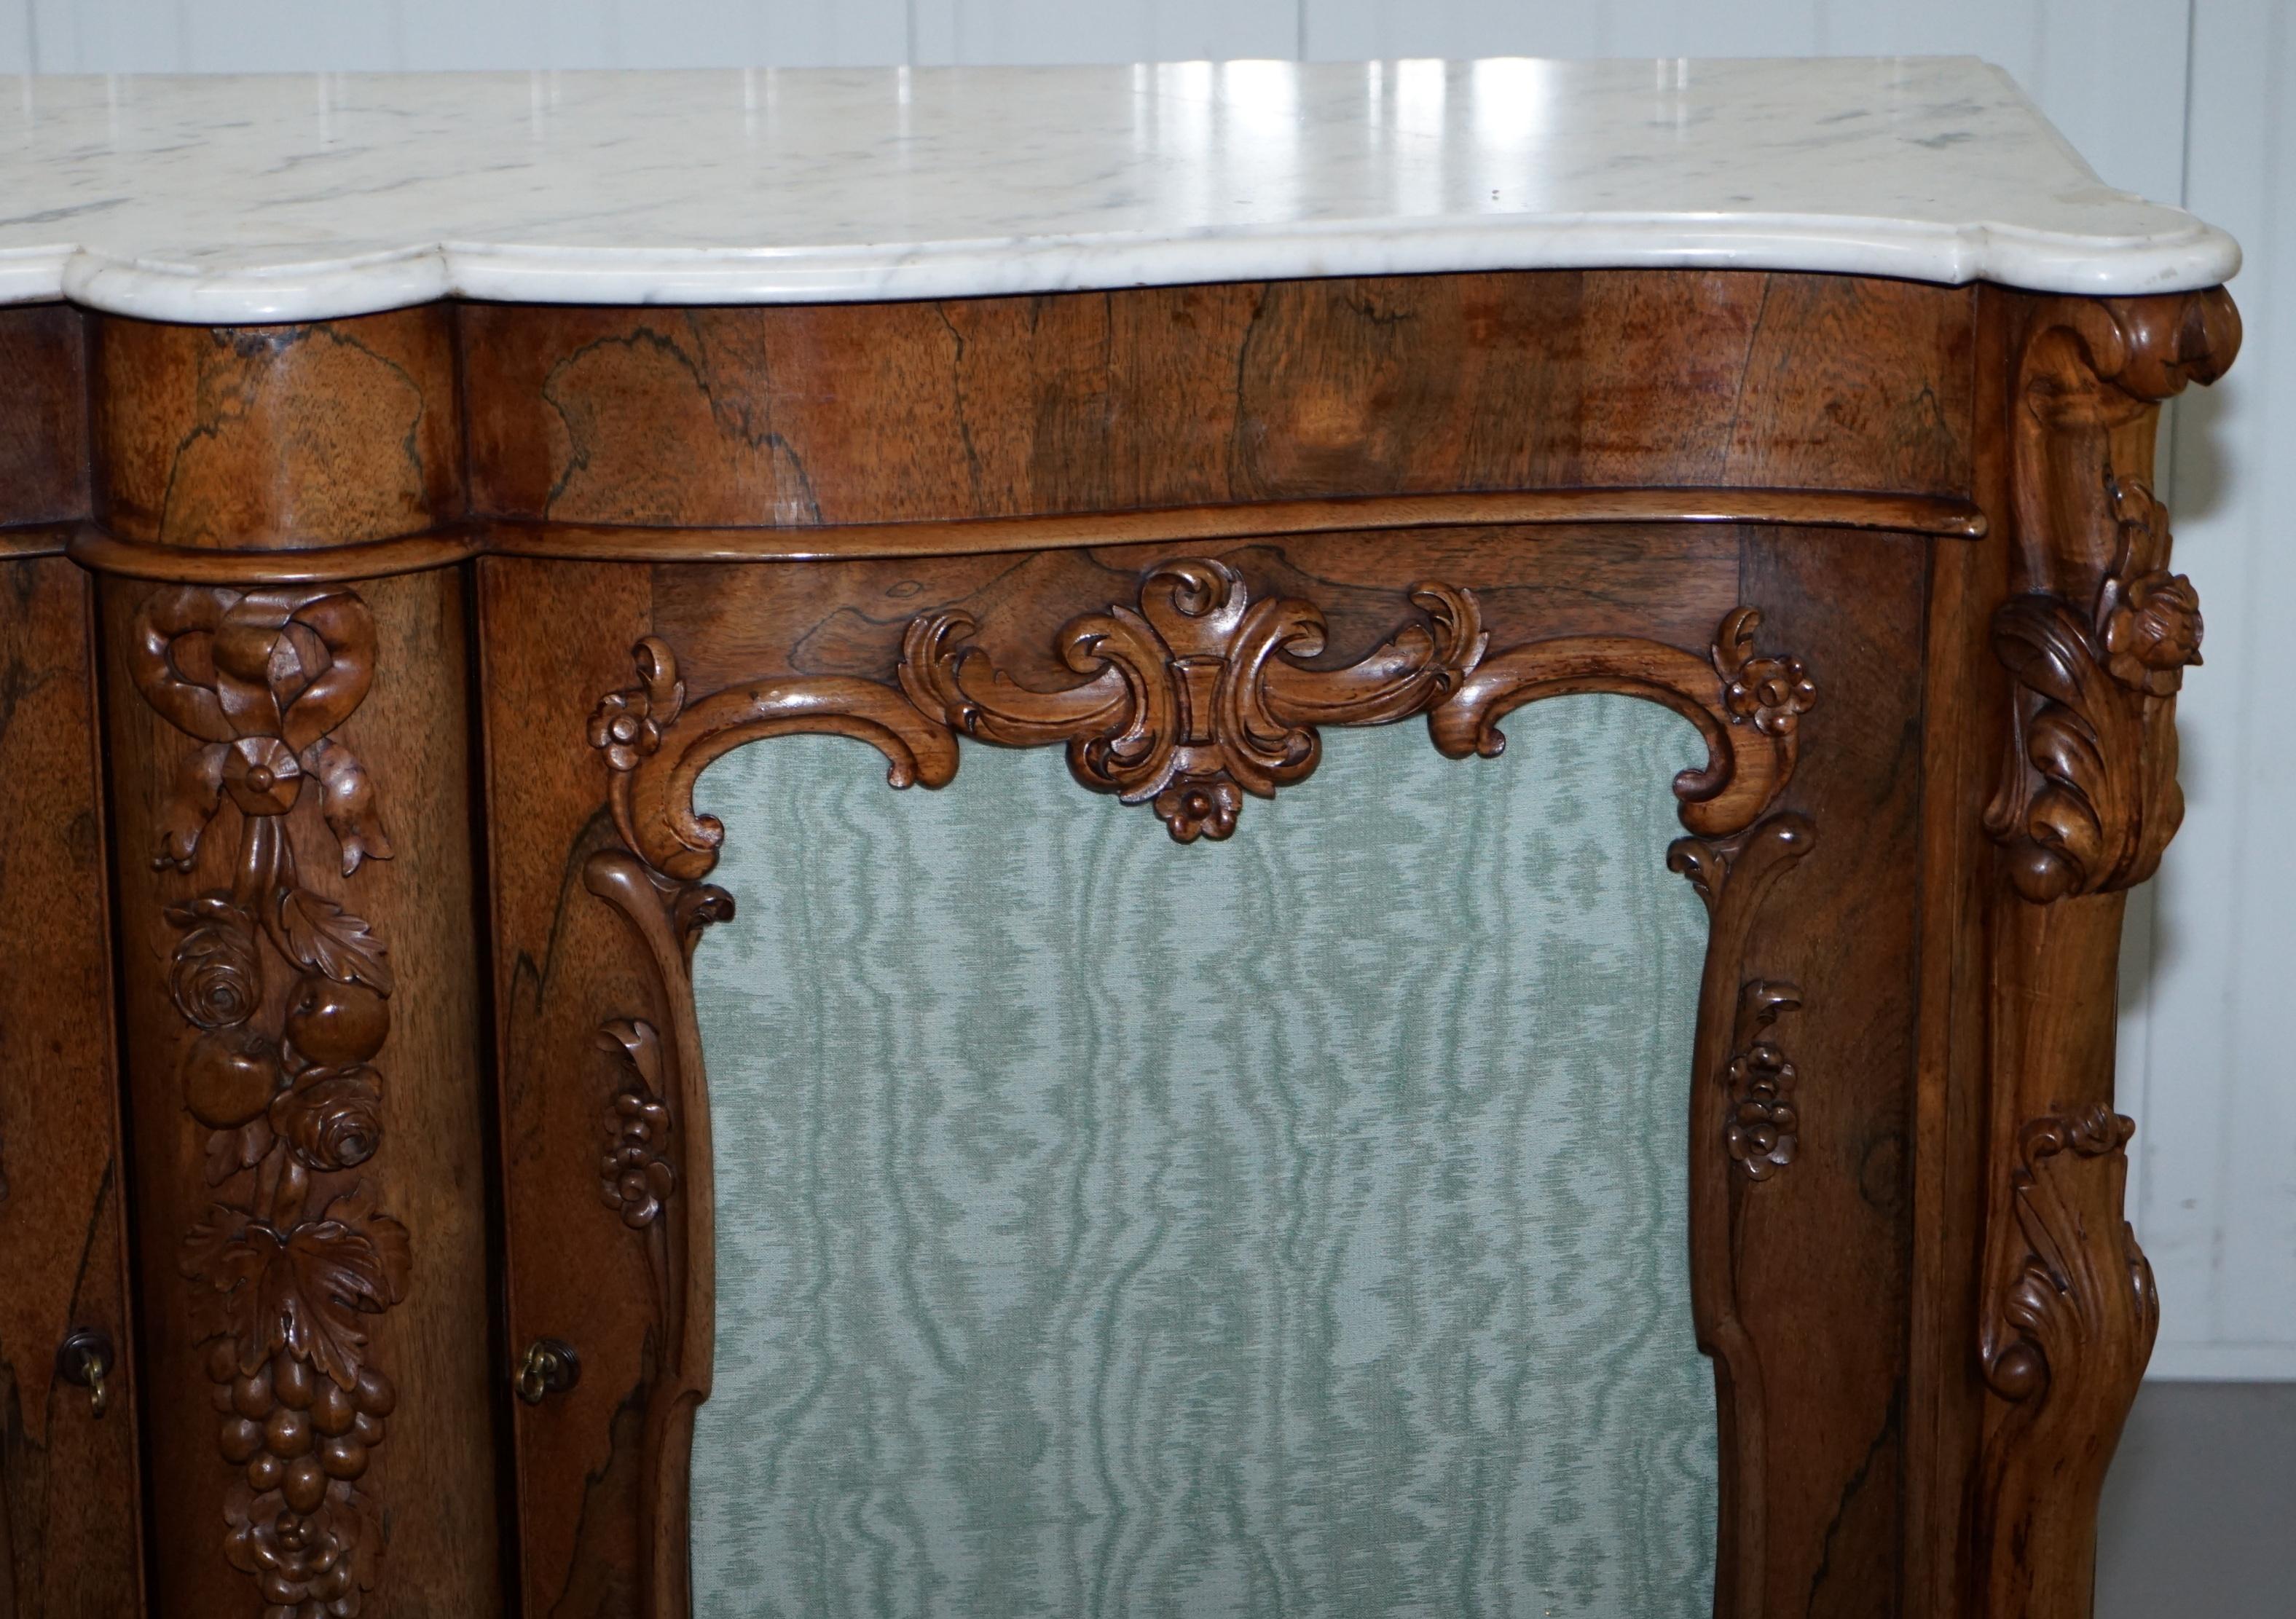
(2081, 1308)
(294, 1261)
(2066, 1333)
(1747, 705)
(2095, 799)
(2100, 631)
(1199, 695)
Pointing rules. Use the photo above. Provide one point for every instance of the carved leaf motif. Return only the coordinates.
(305, 1291)
(2080, 1280)
(2077, 806)
(324, 937)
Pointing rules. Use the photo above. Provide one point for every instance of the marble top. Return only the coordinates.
(231, 198)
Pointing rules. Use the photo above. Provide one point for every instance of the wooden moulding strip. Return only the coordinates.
(18, 541)
(99, 552)
(1939, 517)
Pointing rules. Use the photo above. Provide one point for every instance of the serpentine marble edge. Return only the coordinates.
(237, 199)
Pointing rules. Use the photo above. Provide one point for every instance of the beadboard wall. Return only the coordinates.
(2179, 99)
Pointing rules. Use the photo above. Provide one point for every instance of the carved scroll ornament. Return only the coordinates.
(294, 1261)
(2065, 1338)
(2096, 635)
(1199, 695)
(1748, 706)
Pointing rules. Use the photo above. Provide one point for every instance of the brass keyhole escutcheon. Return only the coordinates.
(82, 1360)
(550, 1367)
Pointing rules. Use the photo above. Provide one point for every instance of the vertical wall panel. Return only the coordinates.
(1130, 30)
(16, 37)
(2218, 1210)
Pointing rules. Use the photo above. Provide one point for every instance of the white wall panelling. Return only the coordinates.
(2206, 1064)
(2217, 1192)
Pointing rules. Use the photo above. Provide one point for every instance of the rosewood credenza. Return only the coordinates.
(411, 485)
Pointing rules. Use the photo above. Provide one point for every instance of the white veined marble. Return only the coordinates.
(230, 199)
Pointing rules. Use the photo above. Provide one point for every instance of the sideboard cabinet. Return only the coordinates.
(412, 489)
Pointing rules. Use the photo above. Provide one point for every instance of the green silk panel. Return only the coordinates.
(1288, 1227)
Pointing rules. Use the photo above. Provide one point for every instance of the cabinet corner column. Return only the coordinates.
(286, 705)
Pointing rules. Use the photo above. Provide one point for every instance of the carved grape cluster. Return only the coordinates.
(1760, 1133)
(300, 1440)
(635, 1178)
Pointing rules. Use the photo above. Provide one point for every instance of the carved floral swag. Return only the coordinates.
(289, 1276)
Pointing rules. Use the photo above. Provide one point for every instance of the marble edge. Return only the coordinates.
(2031, 260)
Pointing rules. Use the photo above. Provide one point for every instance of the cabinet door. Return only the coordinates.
(1053, 1272)
(70, 1531)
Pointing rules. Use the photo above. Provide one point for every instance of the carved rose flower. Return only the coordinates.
(1760, 1134)
(1774, 692)
(216, 977)
(623, 727)
(2151, 631)
(1199, 806)
(333, 1117)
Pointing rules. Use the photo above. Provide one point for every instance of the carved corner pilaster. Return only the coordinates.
(2096, 633)
(288, 994)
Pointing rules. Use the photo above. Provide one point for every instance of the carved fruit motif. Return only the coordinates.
(229, 1075)
(330, 1022)
(261, 679)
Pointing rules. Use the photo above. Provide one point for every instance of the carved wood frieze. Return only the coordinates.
(288, 995)
(1199, 695)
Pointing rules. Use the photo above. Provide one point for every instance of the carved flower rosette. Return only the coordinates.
(287, 994)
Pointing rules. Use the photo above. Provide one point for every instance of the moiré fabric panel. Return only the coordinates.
(1287, 1227)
